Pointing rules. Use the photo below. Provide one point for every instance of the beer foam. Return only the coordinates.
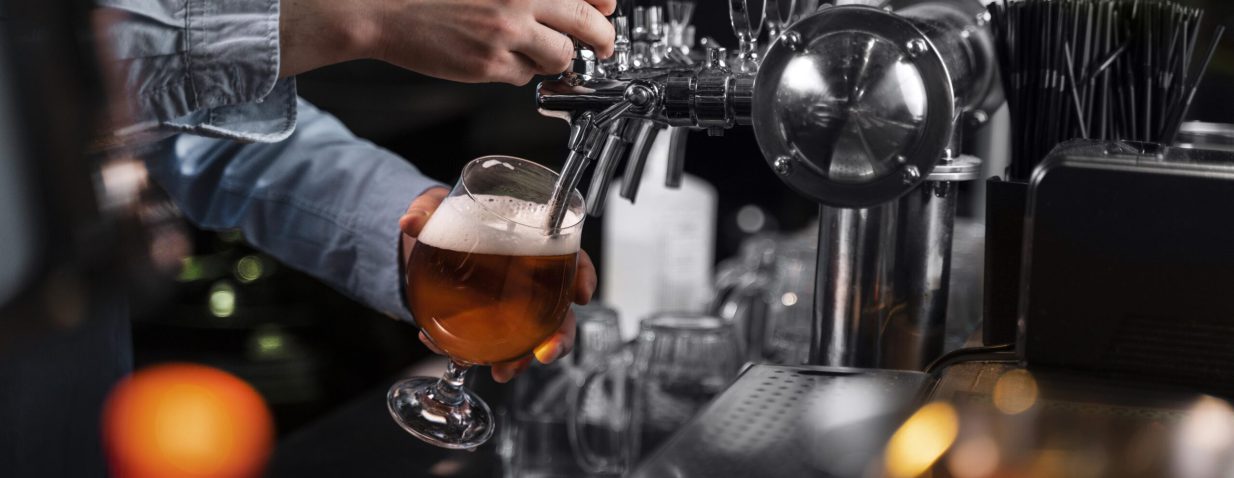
(463, 225)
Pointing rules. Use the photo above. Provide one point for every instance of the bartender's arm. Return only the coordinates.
(300, 186)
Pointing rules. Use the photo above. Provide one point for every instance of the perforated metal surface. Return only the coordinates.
(791, 421)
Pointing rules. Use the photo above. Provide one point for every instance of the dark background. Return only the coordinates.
(309, 350)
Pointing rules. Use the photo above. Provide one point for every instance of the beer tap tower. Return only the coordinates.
(858, 107)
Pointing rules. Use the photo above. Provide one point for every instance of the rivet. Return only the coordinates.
(784, 165)
(917, 46)
(911, 174)
(792, 40)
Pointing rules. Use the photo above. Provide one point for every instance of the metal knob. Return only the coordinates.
(621, 44)
(716, 56)
(583, 67)
(655, 23)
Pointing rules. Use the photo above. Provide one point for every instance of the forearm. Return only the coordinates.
(317, 33)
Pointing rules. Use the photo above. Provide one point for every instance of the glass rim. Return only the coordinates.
(573, 194)
(685, 321)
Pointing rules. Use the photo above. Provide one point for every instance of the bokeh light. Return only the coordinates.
(974, 458)
(1204, 441)
(222, 299)
(249, 268)
(1015, 392)
(921, 440)
(184, 420)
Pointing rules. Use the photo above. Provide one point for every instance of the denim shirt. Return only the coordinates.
(250, 155)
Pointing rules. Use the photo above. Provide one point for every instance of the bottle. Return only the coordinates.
(658, 252)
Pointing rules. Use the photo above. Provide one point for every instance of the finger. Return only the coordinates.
(584, 279)
(429, 343)
(420, 209)
(550, 50)
(504, 372)
(568, 330)
(560, 343)
(606, 7)
(516, 69)
(580, 20)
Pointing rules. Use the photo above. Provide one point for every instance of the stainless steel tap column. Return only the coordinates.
(883, 273)
(857, 108)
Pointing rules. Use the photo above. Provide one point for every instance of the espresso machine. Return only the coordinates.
(859, 107)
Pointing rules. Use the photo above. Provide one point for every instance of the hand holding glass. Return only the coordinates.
(487, 281)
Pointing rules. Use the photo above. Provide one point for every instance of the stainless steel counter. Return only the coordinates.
(792, 421)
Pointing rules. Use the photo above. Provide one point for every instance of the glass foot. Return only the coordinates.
(458, 421)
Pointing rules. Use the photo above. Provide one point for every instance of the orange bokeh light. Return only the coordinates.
(184, 420)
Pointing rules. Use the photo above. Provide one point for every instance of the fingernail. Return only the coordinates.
(547, 352)
(500, 376)
(417, 213)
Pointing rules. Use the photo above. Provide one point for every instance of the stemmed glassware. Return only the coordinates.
(487, 281)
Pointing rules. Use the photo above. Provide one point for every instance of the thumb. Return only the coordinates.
(421, 208)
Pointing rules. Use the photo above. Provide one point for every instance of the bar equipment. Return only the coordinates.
(857, 107)
(1130, 285)
(779, 421)
(1103, 70)
(678, 363)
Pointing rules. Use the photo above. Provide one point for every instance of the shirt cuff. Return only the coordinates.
(269, 119)
(391, 198)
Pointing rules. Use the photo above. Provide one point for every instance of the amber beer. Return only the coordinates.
(484, 291)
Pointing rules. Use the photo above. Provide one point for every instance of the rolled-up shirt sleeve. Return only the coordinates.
(324, 201)
(207, 67)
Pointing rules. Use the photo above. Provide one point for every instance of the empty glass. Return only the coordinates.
(790, 309)
(535, 441)
(678, 363)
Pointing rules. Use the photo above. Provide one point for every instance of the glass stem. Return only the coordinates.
(449, 389)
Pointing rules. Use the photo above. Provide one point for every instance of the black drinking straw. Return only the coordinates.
(1103, 69)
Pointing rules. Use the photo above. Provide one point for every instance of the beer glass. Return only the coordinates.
(487, 281)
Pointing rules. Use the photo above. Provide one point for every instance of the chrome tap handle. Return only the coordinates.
(640, 49)
(621, 45)
(679, 14)
(583, 66)
(644, 137)
(614, 146)
(746, 25)
(778, 14)
(656, 37)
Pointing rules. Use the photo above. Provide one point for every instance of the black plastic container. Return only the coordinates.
(1004, 223)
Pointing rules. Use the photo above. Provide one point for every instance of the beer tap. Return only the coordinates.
(854, 106)
(644, 136)
(587, 143)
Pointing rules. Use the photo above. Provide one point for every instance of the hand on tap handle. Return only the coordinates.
(472, 41)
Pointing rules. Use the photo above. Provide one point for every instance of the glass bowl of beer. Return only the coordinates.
(490, 278)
